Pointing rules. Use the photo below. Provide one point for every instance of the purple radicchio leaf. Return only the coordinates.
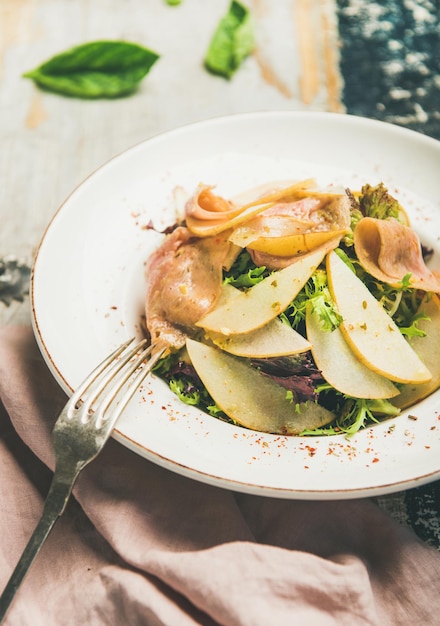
(181, 368)
(297, 374)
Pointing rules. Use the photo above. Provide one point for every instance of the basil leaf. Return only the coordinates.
(232, 41)
(99, 69)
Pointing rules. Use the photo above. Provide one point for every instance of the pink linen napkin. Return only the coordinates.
(141, 545)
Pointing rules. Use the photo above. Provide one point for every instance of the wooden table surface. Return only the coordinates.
(49, 144)
(377, 59)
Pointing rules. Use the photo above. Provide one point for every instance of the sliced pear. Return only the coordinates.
(273, 339)
(259, 305)
(339, 365)
(282, 231)
(292, 245)
(428, 349)
(227, 295)
(250, 399)
(369, 330)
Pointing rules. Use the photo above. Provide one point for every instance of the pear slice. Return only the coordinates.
(428, 349)
(271, 340)
(339, 365)
(259, 305)
(249, 398)
(227, 295)
(292, 245)
(369, 330)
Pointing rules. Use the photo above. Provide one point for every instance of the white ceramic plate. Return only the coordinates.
(88, 291)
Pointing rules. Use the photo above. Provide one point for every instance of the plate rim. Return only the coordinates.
(196, 474)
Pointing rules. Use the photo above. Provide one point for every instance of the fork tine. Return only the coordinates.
(113, 372)
(105, 373)
(95, 373)
(131, 389)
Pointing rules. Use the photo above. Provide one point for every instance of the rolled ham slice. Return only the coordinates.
(208, 214)
(205, 205)
(184, 280)
(389, 251)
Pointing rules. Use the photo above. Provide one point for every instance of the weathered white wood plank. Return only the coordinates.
(49, 144)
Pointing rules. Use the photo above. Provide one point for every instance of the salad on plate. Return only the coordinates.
(294, 308)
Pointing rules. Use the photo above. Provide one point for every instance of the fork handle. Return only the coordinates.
(55, 503)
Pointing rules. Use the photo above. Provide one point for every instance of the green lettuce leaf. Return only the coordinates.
(377, 202)
(232, 42)
(316, 294)
(98, 69)
(243, 273)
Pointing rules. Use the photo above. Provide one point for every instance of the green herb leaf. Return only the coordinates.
(99, 69)
(232, 41)
(173, 3)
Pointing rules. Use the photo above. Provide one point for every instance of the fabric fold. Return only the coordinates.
(139, 544)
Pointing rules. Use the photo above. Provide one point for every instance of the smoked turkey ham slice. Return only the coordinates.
(389, 251)
(184, 280)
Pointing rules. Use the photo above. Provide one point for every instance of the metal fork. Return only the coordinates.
(79, 434)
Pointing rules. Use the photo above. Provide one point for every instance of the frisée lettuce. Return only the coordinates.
(298, 375)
